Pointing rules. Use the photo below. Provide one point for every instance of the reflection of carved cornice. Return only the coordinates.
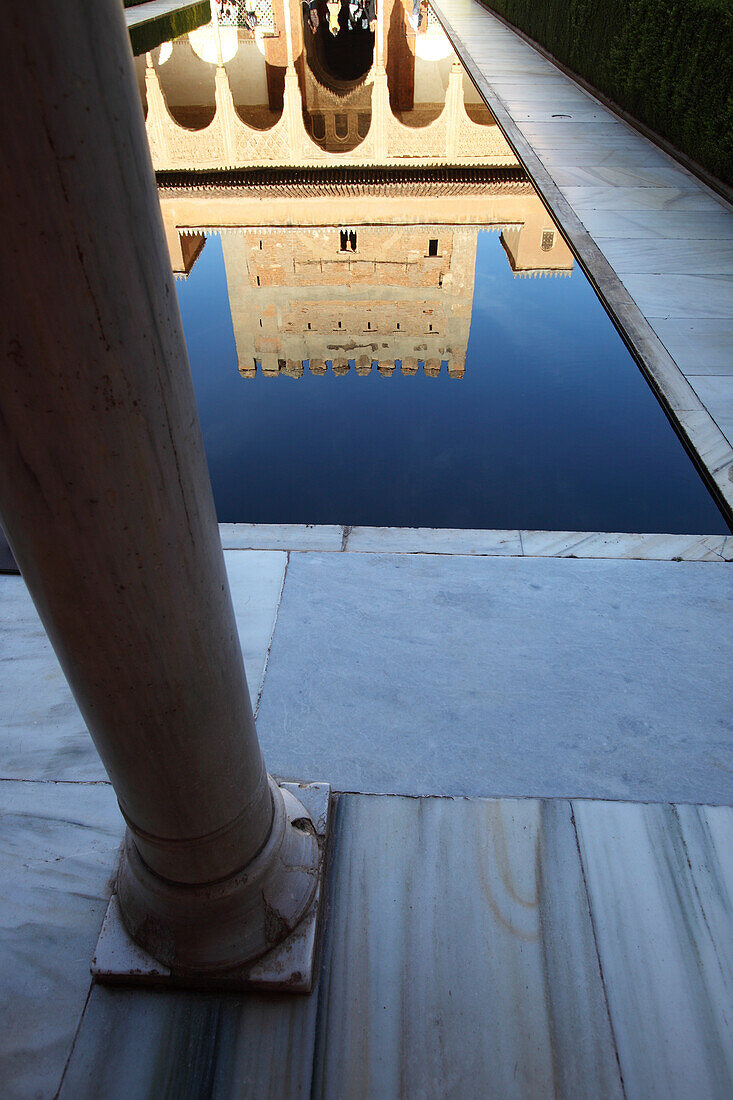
(450, 180)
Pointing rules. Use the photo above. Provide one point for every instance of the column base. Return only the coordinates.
(289, 966)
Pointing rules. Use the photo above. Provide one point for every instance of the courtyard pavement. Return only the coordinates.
(570, 937)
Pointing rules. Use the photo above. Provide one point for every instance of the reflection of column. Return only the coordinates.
(292, 105)
(217, 36)
(223, 93)
(106, 500)
(224, 114)
(380, 92)
(379, 38)
(157, 118)
(454, 110)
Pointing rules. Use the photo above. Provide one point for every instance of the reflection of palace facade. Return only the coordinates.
(346, 268)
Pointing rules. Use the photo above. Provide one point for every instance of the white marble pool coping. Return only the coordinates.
(334, 538)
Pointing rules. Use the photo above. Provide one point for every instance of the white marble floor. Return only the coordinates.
(667, 236)
(486, 672)
(493, 948)
(506, 947)
(503, 676)
(42, 734)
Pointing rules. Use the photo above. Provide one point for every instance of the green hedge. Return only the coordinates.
(669, 63)
(146, 36)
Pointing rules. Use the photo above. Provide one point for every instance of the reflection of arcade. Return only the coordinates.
(231, 97)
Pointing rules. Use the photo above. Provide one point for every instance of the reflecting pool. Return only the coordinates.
(385, 327)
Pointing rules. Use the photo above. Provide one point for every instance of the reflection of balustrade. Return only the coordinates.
(228, 142)
(249, 14)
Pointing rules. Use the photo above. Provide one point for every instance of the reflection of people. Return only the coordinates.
(334, 7)
(419, 18)
(359, 14)
(363, 13)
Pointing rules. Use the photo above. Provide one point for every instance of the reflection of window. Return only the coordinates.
(432, 247)
(548, 239)
(348, 240)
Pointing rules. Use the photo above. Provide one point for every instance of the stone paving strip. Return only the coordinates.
(428, 540)
(655, 242)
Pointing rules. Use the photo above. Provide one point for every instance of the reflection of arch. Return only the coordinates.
(182, 74)
(193, 118)
(322, 48)
(400, 62)
(337, 123)
(257, 117)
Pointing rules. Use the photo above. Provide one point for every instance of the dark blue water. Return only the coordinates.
(552, 427)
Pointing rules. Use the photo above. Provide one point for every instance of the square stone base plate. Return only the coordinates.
(290, 966)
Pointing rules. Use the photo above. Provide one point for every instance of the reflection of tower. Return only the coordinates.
(391, 295)
(536, 247)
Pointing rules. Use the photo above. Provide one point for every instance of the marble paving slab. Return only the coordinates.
(154, 9)
(716, 392)
(658, 175)
(586, 154)
(668, 256)
(694, 226)
(580, 544)
(682, 295)
(189, 1045)
(459, 958)
(507, 948)
(699, 343)
(432, 541)
(59, 846)
(615, 197)
(487, 676)
(713, 447)
(42, 734)
(660, 882)
(280, 536)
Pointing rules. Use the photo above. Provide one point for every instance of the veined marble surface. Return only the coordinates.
(42, 734)
(459, 958)
(192, 1046)
(428, 674)
(59, 846)
(280, 536)
(472, 948)
(660, 883)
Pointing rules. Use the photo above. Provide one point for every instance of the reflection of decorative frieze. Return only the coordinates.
(228, 142)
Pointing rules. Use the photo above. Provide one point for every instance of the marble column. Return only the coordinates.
(107, 504)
